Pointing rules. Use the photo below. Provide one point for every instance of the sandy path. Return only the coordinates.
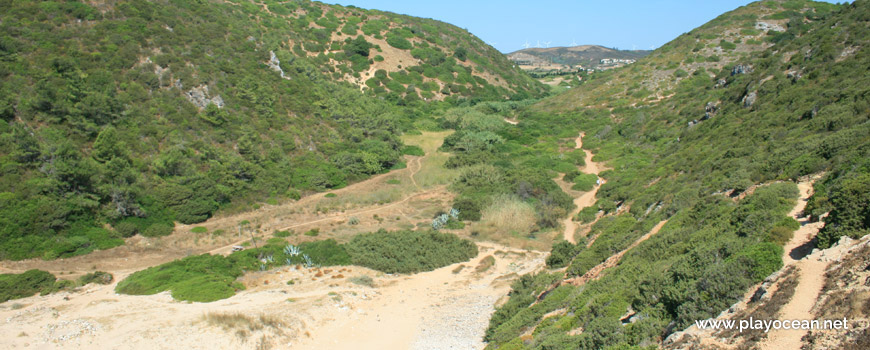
(436, 309)
(811, 276)
(511, 122)
(430, 310)
(586, 199)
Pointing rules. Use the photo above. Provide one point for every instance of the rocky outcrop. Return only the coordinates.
(275, 64)
(750, 99)
(200, 98)
(765, 26)
(710, 110)
(741, 69)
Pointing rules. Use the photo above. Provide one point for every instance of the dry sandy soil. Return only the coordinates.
(431, 310)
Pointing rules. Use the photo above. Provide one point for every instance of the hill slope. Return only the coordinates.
(121, 117)
(722, 42)
(717, 158)
(588, 56)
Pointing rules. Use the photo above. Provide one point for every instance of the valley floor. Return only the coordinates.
(446, 308)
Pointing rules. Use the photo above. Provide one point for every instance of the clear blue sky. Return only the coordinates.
(508, 24)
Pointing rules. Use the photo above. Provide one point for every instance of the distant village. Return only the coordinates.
(539, 66)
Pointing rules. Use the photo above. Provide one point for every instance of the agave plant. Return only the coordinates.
(443, 218)
(454, 213)
(292, 250)
(308, 262)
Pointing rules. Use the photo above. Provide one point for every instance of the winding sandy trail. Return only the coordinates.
(586, 199)
(811, 276)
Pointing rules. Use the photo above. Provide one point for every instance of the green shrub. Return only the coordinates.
(201, 278)
(409, 251)
(561, 254)
(126, 229)
(327, 252)
(98, 277)
(157, 230)
(199, 229)
(762, 259)
(413, 150)
(398, 42)
(282, 234)
(15, 286)
(313, 232)
(584, 182)
(330, 195)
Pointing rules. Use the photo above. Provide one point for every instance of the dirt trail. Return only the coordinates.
(810, 271)
(511, 122)
(142, 252)
(586, 199)
(613, 260)
(811, 276)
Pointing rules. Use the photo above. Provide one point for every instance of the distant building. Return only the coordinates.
(613, 61)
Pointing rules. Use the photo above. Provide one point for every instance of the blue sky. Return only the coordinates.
(508, 24)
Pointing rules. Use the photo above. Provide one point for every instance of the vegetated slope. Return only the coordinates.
(587, 56)
(727, 39)
(137, 114)
(402, 57)
(797, 108)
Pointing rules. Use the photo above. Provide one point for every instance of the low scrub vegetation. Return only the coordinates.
(409, 251)
(31, 282)
(206, 278)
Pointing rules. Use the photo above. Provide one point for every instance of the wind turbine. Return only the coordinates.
(573, 42)
(547, 43)
(526, 45)
(538, 44)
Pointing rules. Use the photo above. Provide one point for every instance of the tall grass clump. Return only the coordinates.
(509, 213)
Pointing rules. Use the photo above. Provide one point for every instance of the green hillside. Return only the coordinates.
(122, 117)
(726, 40)
(795, 103)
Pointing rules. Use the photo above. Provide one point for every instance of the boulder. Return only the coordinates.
(750, 99)
(759, 293)
(741, 69)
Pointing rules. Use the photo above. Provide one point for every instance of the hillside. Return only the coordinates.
(728, 39)
(712, 155)
(123, 117)
(587, 56)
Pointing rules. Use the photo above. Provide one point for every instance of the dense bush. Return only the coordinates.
(562, 254)
(201, 278)
(15, 286)
(409, 251)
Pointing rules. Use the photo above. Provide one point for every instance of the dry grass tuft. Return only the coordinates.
(243, 324)
(508, 213)
(485, 264)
